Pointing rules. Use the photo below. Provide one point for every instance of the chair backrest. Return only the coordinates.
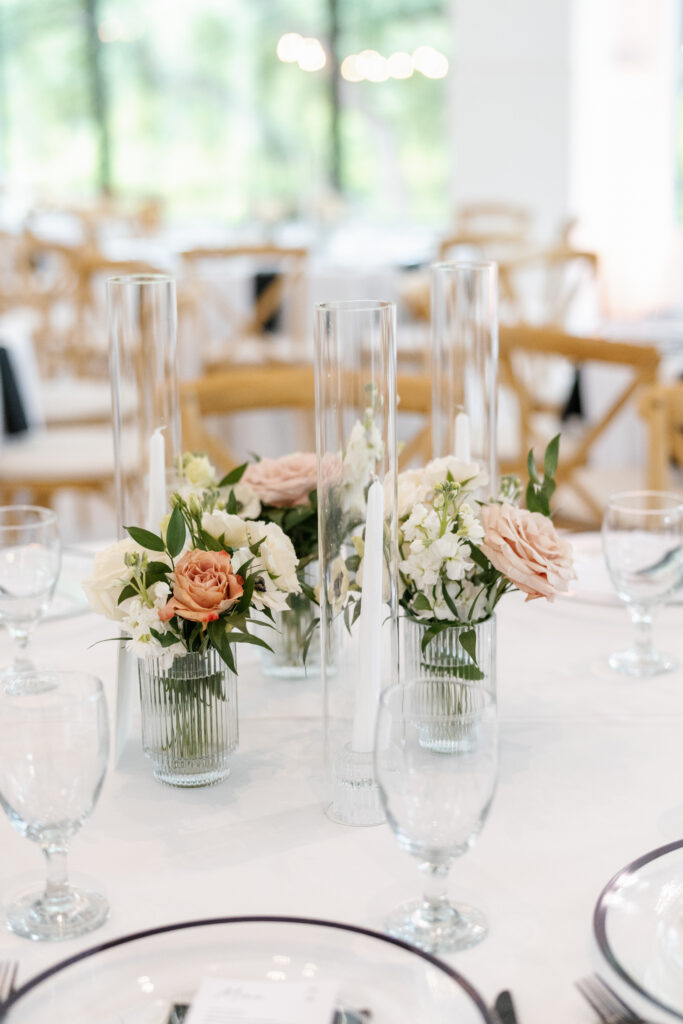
(661, 406)
(236, 302)
(249, 388)
(538, 417)
(546, 287)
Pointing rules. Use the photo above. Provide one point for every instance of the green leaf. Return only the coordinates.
(478, 557)
(469, 672)
(145, 538)
(356, 611)
(468, 642)
(530, 467)
(165, 639)
(308, 592)
(212, 543)
(219, 639)
(128, 591)
(434, 630)
(421, 603)
(234, 476)
(307, 639)
(158, 568)
(552, 455)
(231, 505)
(449, 601)
(233, 637)
(175, 534)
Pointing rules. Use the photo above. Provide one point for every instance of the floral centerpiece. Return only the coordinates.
(184, 598)
(458, 557)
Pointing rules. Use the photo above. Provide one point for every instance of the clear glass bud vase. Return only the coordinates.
(293, 631)
(189, 718)
(465, 652)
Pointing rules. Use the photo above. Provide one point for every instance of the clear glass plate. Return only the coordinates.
(137, 979)
(638, 924)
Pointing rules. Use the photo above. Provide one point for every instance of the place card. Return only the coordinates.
(263, 1002)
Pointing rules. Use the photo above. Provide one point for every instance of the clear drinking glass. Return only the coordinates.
(30, 558)
(54, 746)
(642, 538)
(436, 799)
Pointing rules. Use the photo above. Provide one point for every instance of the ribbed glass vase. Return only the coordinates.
(288, 639)
(465, 652)
(189, 718)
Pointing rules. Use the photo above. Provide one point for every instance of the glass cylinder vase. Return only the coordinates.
(145, 397)
(295, 641)
(461, 652)
(189, 718)
(355, 376)
(464, 359)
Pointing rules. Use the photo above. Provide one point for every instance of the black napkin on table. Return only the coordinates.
(14, 419)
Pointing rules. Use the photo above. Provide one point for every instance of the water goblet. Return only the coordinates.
(30, 558)
(642, 538)
(54, 745)
(436, 796)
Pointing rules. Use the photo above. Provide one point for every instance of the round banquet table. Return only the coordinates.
(590, 778)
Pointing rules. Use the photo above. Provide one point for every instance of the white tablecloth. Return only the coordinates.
(590, 778)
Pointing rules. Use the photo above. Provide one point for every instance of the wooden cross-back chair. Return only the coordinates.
(543, 287)
(517, 343)
(248, 388)
(661, 406)
(220, 304)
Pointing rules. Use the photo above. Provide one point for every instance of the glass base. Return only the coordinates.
(635, 663)
(457, 926)
(275, 671)
(355, 794)
(188, 779)
(32, 917)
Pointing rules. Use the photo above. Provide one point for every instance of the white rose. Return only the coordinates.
(231, 529)
(198, 471)
(408, 491)
(109, 576)
(279, 557)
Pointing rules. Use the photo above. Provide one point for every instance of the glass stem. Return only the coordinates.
(435, 906)
(642, 620)
(57, 895)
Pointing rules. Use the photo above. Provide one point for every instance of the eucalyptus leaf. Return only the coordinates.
(145, 538)
(234, 476)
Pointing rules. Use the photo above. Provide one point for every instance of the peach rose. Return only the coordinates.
(283, 482)
(526, 547)
(205, 586)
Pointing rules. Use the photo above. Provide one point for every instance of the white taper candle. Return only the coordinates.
(462, 437)
(156, 495)
(368, 680)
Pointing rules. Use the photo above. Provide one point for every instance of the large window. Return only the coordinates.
(188, 100)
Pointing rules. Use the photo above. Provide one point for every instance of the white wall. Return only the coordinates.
(511, 105)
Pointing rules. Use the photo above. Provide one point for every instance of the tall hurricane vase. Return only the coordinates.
(461, 652)
(189, 718)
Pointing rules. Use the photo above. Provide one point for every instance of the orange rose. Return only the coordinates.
(526, 547)
(283, 482)
(205, 586)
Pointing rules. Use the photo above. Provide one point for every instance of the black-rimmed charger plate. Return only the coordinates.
(136, 979)
(638, 925)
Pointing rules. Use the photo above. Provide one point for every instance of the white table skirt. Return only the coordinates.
(590, 778)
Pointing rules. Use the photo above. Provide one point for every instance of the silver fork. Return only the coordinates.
(610, 1008)
(8, 977)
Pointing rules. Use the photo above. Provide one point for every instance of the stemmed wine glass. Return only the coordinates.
(30, 559)
(54, 746)
(642, 538)
(436, 764)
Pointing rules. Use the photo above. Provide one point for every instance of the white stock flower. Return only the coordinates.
(363, 450)
(409, 491)
(110, 575)
(141, 618)
(438, 471)
(470, 525)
